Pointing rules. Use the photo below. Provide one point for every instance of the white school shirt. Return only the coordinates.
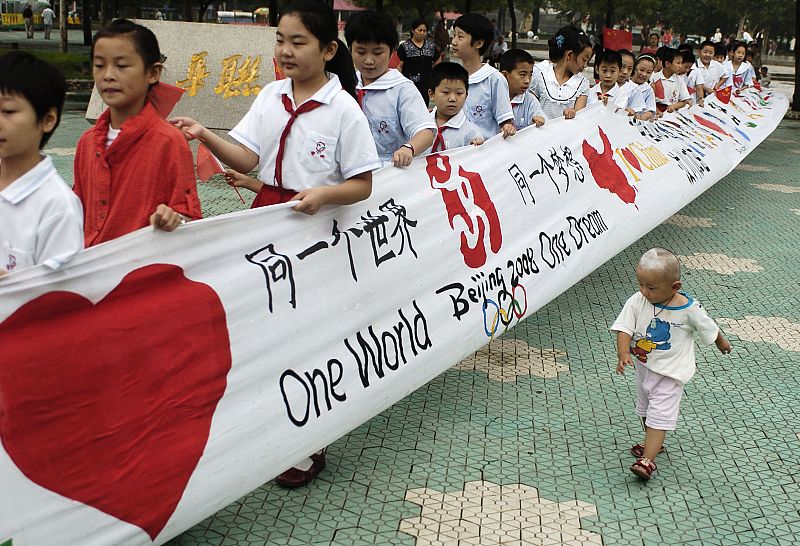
(624, 94)
(642, 99)
(692, 81)
(459, 131)
(325, 146)
(712, 74)
(553, 97)
(595, 90)
(488, 103)
(743, 77)
(395, 112)
(41, 220)
(674, 90)
(662, 336)
(525, 106)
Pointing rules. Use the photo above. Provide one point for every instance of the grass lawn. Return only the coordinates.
(71, 64)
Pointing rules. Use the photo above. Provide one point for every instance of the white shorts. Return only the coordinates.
(658, 398)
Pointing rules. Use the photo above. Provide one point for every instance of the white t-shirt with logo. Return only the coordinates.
(325, 146)
(662, 336)
(488, 103)
(395, 112)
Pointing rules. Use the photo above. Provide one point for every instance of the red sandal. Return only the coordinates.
(644, 468)
(638, 451)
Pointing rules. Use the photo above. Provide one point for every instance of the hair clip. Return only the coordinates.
(560, 41)
(163, 58)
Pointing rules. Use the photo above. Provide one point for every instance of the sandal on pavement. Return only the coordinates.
(638, 451)
(644, 468)
(294, 477)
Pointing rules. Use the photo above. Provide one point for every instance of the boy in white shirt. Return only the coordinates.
(656, 326)
(609, 63)
(488, 105)
(41, 219)
(516, 65)
(671, 93)
(448, 91)
(712, 71)
(398, 117)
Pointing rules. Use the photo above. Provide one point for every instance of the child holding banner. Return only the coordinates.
(330, 156)
(449, 83)
(642, 100)
(740, 72)
(40, 218)
(609, 64)
(516, 65)
(671, 93)
(329, 159)
(558, 84)
(398, 117)
(656, 326)
(488, 105)
(132, 169)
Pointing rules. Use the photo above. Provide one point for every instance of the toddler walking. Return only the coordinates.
(655, 335)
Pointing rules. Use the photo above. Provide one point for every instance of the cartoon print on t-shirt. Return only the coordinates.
(656, 338)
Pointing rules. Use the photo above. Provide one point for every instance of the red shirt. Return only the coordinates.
(148, 164)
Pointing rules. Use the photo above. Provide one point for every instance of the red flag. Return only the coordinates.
(617, 39)
(279, 75)
(757, 85)
(208, 166)
(724, 95)
(164, 97)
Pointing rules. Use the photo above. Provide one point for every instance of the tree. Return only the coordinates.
(63, 30)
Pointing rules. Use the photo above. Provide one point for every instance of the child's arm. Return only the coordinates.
(723, 344)
(623, 351)
(239, 180)
(502, 110)
(538, 117)
(421, 141)
(508, 128)
(237, 156)
(166, 219)
(354, 189)
(416, 122)
(676, 106)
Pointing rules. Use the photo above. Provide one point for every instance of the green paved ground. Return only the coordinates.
(555, 419)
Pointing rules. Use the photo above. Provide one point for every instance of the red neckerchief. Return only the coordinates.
(302, 109)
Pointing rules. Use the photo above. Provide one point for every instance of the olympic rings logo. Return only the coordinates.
(504, 316)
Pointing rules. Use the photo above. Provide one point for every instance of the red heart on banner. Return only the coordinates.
(110, 404)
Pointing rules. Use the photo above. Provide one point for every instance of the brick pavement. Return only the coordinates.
(526, 441)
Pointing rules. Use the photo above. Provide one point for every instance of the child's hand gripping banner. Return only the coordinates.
(159, 377)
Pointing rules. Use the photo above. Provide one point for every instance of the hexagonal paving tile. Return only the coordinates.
(682, 220)
(506, 359)
(721, 263)
(486, 513)
(782, 188)
(783, 332)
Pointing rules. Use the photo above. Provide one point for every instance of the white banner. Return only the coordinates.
(161, 376)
